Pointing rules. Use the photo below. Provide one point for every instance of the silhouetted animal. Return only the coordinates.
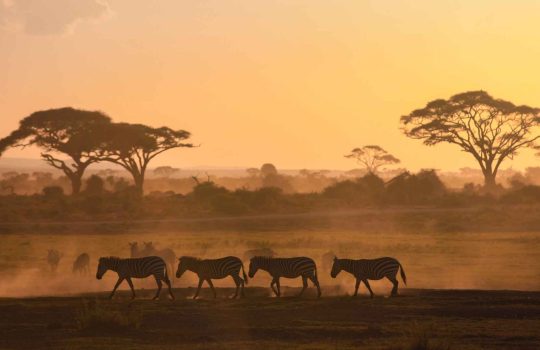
(288, 268)
(82, 264)
(374, 269)
(248, 254)
(134, 250)
(166, 254)
(135, 268)
(53, 259)
(209, 269)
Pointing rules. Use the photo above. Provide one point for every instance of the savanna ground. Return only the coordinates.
(459, 275)
(419, 319)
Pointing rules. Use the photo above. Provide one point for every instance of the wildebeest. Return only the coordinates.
(370, 269)
(135, 268)
(82, 264)
(53, 259)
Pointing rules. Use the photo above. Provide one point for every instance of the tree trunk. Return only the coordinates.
(138, 179)
(489, 181)
(76, 183)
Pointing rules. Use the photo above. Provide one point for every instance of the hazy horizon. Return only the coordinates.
(296, 84)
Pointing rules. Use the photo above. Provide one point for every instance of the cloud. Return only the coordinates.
(49, 17)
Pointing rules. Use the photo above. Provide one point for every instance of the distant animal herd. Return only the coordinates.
(150, 261)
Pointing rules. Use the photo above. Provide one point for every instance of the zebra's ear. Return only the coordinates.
(335, 258)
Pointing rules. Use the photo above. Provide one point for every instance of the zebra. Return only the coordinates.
(53, 258)
(209, 269)
(82, 264)
(166, 254)
(288, 268)
(373, 269)
(136, 268)
(134, 250)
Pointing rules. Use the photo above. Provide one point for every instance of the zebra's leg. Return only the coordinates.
(198, 288)
(238, 283)
(315, 281)
(211, 287)
(120, 279)
(368, 287)
(159, 284)
(131, 286)
(278, 286)
(304, 286)
(168, 283)
(356, 287)
(272, 286)
(395, 282)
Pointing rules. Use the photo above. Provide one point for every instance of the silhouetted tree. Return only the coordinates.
(133, 146)
(165, 171)
(95, 185)
(268, 169)
(71, 132)
(271, 178)
(372, 157)
(491, 130)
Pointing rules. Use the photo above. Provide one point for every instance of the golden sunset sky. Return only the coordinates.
(297, 83)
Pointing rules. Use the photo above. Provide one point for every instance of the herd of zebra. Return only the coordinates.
(157, 263)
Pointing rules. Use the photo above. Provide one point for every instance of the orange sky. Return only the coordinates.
(296, 83)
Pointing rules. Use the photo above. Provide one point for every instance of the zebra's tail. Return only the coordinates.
(402, 272)
(244, 273)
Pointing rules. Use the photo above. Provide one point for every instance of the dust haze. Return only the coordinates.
(441, 261)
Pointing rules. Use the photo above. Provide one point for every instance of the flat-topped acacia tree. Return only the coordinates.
(133, 146)
(70, 132)
(489, 129)
(372, 157)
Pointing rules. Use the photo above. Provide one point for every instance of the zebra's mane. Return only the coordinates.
(189, 258)
(262, 257)
(109, 258)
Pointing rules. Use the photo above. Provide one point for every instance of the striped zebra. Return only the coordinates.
(288, 268)
(372, 269)
(135, 268)
(209, 269)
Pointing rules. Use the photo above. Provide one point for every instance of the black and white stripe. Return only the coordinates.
(208, 269)
(370, 269)
(286, 267)
(135, 268)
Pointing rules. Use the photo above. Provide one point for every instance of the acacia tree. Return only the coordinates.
(66, 131)
(165, 171)
(133, 146)
(372, 157)
(490, 129)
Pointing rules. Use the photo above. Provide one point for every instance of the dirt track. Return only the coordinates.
(446, 318)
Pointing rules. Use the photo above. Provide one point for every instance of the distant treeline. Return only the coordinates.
(114, 198)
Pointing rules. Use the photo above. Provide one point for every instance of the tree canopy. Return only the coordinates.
(372, 157)
(133, 146)
(490, 129)
(68, 131)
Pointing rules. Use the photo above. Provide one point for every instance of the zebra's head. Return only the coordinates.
(104, 265)
(184, 264)
(254, 265)
(336, 267)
